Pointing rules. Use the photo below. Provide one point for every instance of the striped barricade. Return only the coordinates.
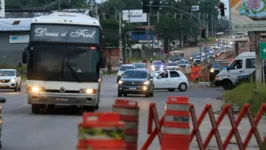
(175, 128)
(101, 131)
(129, 114)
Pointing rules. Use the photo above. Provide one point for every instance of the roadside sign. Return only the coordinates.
(194, 8)
(248, 15)
(263, 50)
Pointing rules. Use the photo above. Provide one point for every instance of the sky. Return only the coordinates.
(226, 2)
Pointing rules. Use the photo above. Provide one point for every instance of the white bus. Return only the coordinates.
(63, 61)
(175, 56)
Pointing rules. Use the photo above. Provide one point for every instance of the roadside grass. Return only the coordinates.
(247, 93)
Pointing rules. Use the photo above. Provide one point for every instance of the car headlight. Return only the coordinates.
(212, 70)
(12, 80)
(146, 83)
(152, 68)
(36, 89)
(120, 82)
(88, 91)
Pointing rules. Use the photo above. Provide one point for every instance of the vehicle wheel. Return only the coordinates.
(147, 94)
(97, 106)
(16, 88)
(182, 87)
(35, 108)
(19, 88)
(119, 94)
(227, 85)
(171, 90)
(89, 108)
(151, 94)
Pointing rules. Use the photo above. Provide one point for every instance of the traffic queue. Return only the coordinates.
(143, 78)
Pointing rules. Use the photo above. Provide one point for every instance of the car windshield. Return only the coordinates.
(215, 65)
(183, 62)
(172, 64)
(197, 61)
(123, 68)
(7, 73)
(135, 74)
(157, 63)
(140, 65)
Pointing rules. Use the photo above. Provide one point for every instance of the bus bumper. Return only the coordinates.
(63, 99)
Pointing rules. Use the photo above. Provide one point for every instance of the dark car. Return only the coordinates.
(217, 67)
(135, 81)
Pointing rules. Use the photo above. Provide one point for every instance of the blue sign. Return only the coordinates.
(142, 37)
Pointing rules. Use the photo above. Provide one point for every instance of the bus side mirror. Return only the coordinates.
(24, 57)
(102, 61)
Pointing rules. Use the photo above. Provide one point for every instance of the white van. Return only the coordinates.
(243, 64)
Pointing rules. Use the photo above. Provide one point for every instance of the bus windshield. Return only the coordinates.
(63, 63)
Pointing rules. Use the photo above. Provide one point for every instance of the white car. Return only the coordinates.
(10, 79)
(122, 69)
(171, 80)
(172, 66)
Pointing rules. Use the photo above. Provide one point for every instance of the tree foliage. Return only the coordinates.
(110, 32)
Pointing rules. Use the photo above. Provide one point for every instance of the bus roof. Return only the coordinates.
(67, 18)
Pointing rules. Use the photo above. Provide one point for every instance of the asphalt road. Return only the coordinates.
(57, 129)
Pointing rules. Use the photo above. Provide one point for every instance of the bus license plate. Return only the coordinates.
(132, 88)
(61, 99)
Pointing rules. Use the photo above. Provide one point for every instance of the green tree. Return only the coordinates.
(110, 32)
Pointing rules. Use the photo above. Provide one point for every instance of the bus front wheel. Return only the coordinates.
(35, 108)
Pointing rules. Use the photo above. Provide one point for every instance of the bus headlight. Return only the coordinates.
(88, 91)
(35, 89)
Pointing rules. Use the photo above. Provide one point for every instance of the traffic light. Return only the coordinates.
(221, 7)
(145, 6)
(202, 33)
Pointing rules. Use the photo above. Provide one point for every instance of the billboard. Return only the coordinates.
(248, 15)
(134, 16)
(2, 8)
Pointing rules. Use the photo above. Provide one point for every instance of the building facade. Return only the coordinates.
(14, 38)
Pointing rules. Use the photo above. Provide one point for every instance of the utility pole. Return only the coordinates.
(207, 25)
(181, 41)
(120, 37)
(148, 30)
(258, 59)
(212, 26)
(158, 16)
(200, 35)
(59, 5)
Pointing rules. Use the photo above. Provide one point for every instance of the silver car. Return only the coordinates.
(10, 79)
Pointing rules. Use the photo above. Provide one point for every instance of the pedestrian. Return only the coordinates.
(109, 68)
